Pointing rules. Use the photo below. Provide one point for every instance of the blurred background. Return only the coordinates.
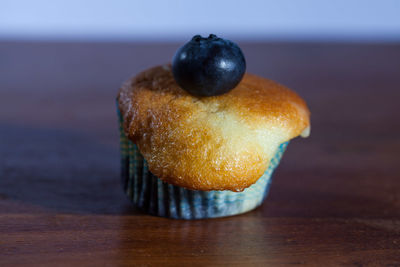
(177, 20)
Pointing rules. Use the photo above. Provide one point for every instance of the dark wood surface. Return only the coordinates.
(334, 200)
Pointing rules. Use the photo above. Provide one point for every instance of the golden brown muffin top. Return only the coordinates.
(221, 142)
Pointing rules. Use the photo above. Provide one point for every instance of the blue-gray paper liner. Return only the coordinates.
(156, 197)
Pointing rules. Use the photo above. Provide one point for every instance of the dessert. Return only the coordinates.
(193, 147)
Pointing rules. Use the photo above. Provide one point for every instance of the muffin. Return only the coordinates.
(189, 156)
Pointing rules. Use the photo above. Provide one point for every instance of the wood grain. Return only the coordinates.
(334, 200)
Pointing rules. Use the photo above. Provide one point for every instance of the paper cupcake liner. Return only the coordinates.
(156, 197)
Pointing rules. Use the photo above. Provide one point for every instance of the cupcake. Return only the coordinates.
(201, 138)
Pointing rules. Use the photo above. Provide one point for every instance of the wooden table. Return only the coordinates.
(334, 200)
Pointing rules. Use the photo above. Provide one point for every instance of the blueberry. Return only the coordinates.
(208, 66)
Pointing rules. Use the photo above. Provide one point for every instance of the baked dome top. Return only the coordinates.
(220, 142)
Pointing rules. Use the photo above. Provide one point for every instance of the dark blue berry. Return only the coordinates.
(208, 66)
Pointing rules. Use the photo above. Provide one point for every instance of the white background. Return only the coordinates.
(350, 20)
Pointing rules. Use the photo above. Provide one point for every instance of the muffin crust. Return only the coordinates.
(209, 143)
